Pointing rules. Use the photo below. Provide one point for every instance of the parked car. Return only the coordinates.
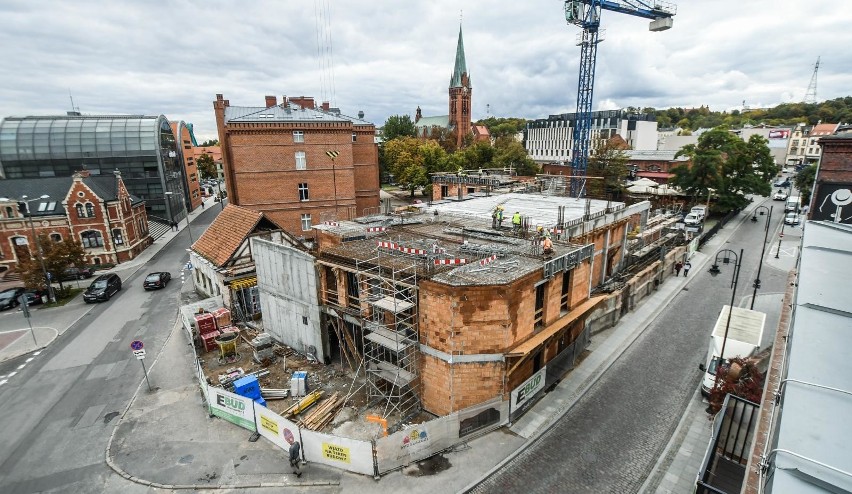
(9, 298)
(73, 273)
(103, 288)
(791, 219)
(782, 182)
(692, 219)
(155, 281)
(34, 297)
(781, 195)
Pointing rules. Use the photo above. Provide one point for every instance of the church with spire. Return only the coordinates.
(460, 93)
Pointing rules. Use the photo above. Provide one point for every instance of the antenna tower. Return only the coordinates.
(811, 93)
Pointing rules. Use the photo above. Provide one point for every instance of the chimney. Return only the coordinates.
(361, 114)
(325, 106)
(271, 101)
(284, 100)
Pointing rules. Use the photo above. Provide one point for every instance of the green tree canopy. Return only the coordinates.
(805, 182)
(397, 126)
(610, 162)
(210, 142)
(511, 153)
(57, 256)
(206, 166)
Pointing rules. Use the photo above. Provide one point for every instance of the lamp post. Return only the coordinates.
(763, 250)
(38, 244)
(186, 211)
(780, 236)
(714, 270)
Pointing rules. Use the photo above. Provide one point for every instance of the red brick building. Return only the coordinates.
(96, 211)
(191, 189)
(831, 199)
(298, 164)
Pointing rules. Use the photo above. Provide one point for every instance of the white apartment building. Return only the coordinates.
(551, 139)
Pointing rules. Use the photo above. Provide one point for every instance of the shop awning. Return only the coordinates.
(244, 283)
(539, 338)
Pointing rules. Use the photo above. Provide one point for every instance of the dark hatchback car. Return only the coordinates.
(76, 274)
(155, 281)
(9, 298)
(103, 288)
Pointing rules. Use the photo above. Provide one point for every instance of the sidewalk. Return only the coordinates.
(50, 322)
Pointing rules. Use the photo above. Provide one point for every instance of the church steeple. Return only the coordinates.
(460, 95)
(460, 68)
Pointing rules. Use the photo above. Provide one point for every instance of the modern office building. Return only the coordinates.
(142, 147)
(186, 153)
(551, 139)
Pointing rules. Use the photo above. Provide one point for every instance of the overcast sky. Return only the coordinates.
(387, 57)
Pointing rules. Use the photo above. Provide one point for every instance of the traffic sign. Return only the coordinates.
(136, 345)
(140, 354)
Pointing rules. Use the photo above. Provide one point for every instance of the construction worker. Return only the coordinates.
(500, 210)
(547, 246)
(460, 172)
(516, 222)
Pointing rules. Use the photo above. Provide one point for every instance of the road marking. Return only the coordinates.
(21, 366)
(4, 381)
(36, 353)
(12, 374)
(30, 359)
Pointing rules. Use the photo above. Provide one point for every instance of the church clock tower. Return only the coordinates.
(460, 95)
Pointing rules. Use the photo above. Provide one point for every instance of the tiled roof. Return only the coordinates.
(227, 232)
(57, 188)
(823, 129)
(288, 113)
(429, 122)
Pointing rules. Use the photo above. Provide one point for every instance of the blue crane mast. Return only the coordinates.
(586, 14)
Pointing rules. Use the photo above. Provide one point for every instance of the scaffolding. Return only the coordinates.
(390, 343)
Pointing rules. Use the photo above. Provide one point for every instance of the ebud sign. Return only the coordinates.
(234, 408)
(528, 389)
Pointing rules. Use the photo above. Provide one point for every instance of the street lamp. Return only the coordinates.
(763, 250)
(38, 244)
(780, 236)
(186, 211)
(726, 255)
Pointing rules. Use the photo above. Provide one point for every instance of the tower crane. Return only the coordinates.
(586, 14)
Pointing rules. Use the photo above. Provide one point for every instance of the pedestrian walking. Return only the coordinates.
(202, 204)
(174, 226)
(678, 266)
(295, 458)
(516, 221)
(686, 267)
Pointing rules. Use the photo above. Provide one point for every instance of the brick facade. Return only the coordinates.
(187, 154)
(261, 172)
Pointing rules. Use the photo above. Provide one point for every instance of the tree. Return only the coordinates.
(402, 157)
(805, 182)
(610, 162)
(57, 256)
(725, 163)
(742, 378)
(206, 166)
(211, 142)
(511, 153)
(398, 126)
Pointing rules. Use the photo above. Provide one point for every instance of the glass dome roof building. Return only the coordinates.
(143, 148)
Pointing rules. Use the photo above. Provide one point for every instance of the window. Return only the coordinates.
(301, 162)
(10, 212)
(92, 239)
(565, 301)
(56, 237)
(354, 137)
(303, 192)
(306, 222)
(298, 136)
(90, 209)
(117, 238)
(80, 212)
(539, 306)
(352, 291)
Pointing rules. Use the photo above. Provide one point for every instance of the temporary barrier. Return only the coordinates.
(450, 262)
(416, 443)
(274, 427)
(202, 382)
(483, 417)
(234, 408)
(522, 396)
(341, 452)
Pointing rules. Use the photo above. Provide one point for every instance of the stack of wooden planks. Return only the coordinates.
(322, 414)
(303, 404)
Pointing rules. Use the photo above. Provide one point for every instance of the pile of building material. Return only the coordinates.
(322, 414)
(263, 347)
(274, 394)
(303, 404)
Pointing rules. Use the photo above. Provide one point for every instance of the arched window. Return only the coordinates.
(80, 212)
(92, 239)
(90, 209)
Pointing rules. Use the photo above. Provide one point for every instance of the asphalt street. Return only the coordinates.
(612, 438)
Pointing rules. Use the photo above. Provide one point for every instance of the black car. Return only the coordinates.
(76, 274)
(35, 297)
(9, 298)
(103, 288)
(155, 281)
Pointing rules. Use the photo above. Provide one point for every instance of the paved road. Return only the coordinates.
(58, 406)
(611, 439)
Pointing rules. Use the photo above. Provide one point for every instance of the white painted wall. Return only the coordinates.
(287, 280)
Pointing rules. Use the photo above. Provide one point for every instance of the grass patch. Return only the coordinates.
(64, 296)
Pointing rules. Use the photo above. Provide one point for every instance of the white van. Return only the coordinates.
(740, 337)
(701, 211)
(692, 219)
(793, 204)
